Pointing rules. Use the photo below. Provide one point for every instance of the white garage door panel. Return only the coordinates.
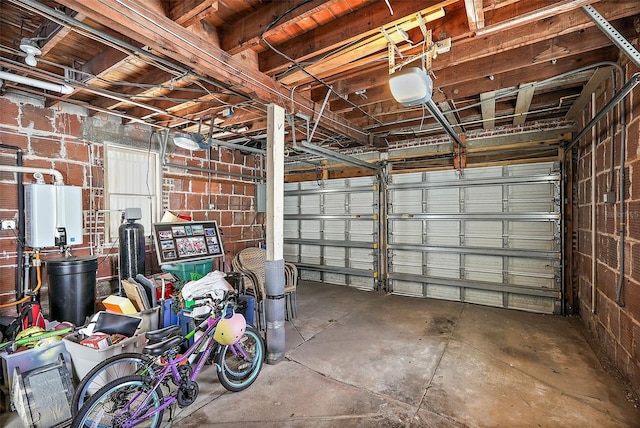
(445, 292)
(360, 258)
(408, 261)
(443, 265)
(443, 233)
(531, 303)
(532, 272)
(362, 231)
(483, 268)
(442, 200)
(333, 229)
(310, 254)
(532, 236)
(485, 199)
(483, 297)
(334, 256)
(406, 232)
(335, 203)
(310, 229)
(337, 230)
(490, 237)
(408, 200)
(362, 203)
(483, 233)
(309, 204)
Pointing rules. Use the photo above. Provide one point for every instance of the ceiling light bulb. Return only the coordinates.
(31, 48)
(31, 60)
(189, 141)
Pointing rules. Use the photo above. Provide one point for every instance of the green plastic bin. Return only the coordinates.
(183, 270)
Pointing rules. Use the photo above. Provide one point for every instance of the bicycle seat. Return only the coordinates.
(163, 333)
(156, 349)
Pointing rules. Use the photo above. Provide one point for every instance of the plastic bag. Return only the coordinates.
(211, 285)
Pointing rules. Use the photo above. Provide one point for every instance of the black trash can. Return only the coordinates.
(72, 288)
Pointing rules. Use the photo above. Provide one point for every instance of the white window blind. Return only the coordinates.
(132, 180)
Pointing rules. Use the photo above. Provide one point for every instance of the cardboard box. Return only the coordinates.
(119, 305)
(97, 341)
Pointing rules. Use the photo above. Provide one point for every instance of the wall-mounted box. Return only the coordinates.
(261, 197)
(48, 210)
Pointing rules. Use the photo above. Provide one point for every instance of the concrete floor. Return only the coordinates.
(363, 359)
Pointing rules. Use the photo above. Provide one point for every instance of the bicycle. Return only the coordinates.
(131, 400)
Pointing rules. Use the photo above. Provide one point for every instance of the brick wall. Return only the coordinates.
(614, 323)
(66, 139)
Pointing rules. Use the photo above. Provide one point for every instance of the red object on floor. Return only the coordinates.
(168, 291)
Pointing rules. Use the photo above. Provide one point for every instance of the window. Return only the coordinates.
(132, 180)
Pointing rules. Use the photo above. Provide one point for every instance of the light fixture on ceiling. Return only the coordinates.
(190, 141)
(31, 48)
(55, 87)
(411, 86)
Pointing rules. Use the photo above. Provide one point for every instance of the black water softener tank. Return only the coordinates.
(132, 247)
(72, 288)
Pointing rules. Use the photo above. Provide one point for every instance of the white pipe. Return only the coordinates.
(57, 176)
(55, 87)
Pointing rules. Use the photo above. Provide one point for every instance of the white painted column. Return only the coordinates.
(274, 268)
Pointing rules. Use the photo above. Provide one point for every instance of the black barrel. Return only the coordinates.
(72, 288)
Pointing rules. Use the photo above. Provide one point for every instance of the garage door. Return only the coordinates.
(331, 230)
(492, 236)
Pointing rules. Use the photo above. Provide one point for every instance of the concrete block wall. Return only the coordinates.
(67, 139)
(613, 322)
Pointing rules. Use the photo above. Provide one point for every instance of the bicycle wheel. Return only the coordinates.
(235, 371)
(114, 367)
(114, 404)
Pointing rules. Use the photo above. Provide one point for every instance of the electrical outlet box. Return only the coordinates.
(8, 224)
(609, 197)
(261, 197)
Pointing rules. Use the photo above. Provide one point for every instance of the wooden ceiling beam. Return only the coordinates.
(566, 41)
(596, 81)
(364, 22)
(523, 102)
(167, 38)
(475, 14)
(516, 60)
(245, 33)
(188, 12)
(469, 89)
(488, 107)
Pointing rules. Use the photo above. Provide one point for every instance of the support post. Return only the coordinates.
(274, 268)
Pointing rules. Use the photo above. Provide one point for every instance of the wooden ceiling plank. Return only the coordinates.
(598, 78)
(245, 33)
(584, 38)
(475, 14)
(469, 68)
(170, 39)
(187, 12)
(342, 31)
(535, 16)
(523, 102)
(567, 24)
(488, 106)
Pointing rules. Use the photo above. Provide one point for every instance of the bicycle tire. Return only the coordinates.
(114, 367)
(100, 410)
(236, 373)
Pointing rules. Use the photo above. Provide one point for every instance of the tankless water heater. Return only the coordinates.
(53, 215)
